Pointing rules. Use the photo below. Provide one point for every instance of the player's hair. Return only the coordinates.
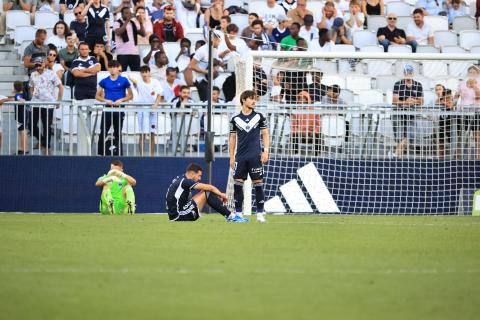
(194, 167)
(258, 21)
(114, 64)
(232, 27)
(117, 163)
(170, 70)
(215, 88)
(18, 86)
(144, 69)
(418, 10)
(247, 94)
(229, 20)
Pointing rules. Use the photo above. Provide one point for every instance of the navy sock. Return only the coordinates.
(259, 196)
(214, 201)
(238, 195)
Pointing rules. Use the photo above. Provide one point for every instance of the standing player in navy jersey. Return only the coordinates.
(246, 153)
(181, 206)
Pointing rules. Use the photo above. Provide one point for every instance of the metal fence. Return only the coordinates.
(339, 131)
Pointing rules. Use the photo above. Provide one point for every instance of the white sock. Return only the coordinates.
(240, 214)
(231, 216)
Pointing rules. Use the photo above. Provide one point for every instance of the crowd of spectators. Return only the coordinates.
(103, 31)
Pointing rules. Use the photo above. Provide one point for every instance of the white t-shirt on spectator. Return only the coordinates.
(169, 90)
(240, 46)
(309, 35)
(148, 92)
(269, 15)
(420, 34)
(201, 55)
(60, 43)
(315, 46)
(342, 6)
(354, 27)
(319, 18)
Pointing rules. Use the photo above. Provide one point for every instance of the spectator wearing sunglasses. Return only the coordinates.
(391, 35)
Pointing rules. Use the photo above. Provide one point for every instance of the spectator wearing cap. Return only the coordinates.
(340, 34)
(290, 42)
(308, 31)
(288, 5)
(298, 14)
(260, 39)
(282, 30)
(43, 84)
(200, 62)
(248, 30)
(407, 95)
(419, 32)
(391, 35)
(85, 69)
(325, 18)
(98, 23)
(127, 31)
(155, 46)
(168, 29)
(79, 26)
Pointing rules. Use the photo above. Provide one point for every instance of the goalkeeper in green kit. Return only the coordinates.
(117, 194)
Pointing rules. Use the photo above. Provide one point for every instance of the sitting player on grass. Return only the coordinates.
(117, 194)
(181, 206)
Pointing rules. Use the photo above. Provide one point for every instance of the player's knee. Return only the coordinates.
(238, 182)
(257, 183)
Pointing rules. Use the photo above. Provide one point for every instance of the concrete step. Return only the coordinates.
(10, 63)
(6, 92)
(10, 78)
(8, 71)
(6, 47)
(6, 55)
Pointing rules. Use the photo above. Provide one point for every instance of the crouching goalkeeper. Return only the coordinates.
(117, 192)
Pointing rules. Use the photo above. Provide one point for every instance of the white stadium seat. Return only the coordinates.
(434, 68)
(357, 83)
(364, 38)
(171, 49)
(241, 20)
(229, 3)
(16, 18)
(343, 48)
(398, 48)
(469, 38)
(453, 49)
(437, 23)
(427, 49)
(373, 48)
(24, 33)
(459, 68)
(194, 35)
(333, 130)
(330, 80)
(68, 17)
(45, 19)
(464, 23)
(475, 49)
(376, 22)
(445, 38)
(400, 8)
(379, 67)
(384, 83)
(143, 49)
(403, 21)
(315, 6)
(367, 97)
(22, 46)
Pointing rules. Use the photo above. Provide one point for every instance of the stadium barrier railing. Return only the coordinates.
(335, 131)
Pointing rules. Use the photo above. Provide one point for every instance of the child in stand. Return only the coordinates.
(22, 116)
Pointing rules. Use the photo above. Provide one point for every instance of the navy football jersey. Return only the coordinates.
(179, 193)
(248, 130)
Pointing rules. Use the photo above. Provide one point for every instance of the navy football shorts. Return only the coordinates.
(248, 166)
(188, 212)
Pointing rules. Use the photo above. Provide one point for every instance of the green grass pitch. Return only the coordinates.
(294, 267)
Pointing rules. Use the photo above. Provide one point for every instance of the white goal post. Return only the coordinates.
(349, 137)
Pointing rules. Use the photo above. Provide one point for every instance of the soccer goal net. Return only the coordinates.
(368, 132)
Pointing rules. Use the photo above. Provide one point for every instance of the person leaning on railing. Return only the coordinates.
(407, 95)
